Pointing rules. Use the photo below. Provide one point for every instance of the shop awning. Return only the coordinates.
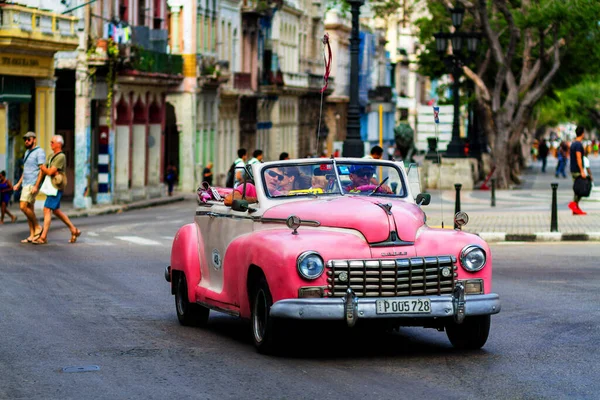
(14, 89)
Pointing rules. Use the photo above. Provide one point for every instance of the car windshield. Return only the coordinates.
(322, 178)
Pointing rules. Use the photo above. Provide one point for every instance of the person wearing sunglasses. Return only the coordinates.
(362, 179)
(31, 180)
(273, 178)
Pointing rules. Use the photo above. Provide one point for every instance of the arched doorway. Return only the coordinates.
(171, 149)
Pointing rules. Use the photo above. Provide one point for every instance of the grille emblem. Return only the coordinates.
(446, 272)
(343, 276)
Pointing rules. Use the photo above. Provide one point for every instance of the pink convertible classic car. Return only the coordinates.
(330, 239)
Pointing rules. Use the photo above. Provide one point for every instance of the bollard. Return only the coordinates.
(554, 215)
(493, 192)
(457, 186)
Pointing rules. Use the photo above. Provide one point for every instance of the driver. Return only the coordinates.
(361, 176)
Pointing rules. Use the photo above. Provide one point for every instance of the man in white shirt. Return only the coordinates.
(240, 164)
(376, 153)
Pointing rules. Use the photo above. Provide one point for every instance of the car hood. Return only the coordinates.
(356, 212)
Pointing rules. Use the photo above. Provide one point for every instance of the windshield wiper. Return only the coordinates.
(378, 186)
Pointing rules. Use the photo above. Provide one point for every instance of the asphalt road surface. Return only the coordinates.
(102, 309)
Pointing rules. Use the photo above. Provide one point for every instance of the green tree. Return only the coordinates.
(579, 103)
(529, 48)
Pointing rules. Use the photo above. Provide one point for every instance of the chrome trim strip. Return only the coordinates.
(335, 308)
(219, 309)
(305, 222)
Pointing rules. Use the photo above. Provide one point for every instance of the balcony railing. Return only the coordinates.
(25, 26)
(154, 62)
(295, 80)
(242, 81)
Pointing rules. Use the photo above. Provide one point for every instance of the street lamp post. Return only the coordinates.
(353, 145)
(454, 63)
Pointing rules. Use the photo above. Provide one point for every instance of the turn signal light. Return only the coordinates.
(310, 292)
(474, 286)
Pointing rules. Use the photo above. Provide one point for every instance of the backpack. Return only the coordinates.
(230, 176)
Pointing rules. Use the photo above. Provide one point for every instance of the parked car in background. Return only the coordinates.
(331, 239)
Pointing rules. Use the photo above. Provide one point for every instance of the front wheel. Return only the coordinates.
(264, 327)
(471, 334)
(188, 314)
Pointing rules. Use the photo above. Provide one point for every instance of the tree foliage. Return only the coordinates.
(530, 47)
(579, 103)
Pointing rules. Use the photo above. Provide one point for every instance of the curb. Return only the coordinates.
(115, 209)
(494, 237)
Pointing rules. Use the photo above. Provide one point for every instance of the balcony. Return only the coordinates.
(32, 29)
(155, 62)
(315, 83)
(295, 80)
(150, 39)
(242, 81)
(261, 7)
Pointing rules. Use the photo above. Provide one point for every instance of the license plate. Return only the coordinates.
(399, 306)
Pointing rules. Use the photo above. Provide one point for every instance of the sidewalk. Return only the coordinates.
(523, 213)
(520, 214)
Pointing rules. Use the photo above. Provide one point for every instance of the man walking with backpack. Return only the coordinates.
(236, 171)
(31, 180)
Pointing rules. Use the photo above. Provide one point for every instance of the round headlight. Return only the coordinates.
(472, 258)
(310, 265)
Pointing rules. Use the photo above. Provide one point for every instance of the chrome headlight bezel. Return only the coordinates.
(469, 250)
(306, 256)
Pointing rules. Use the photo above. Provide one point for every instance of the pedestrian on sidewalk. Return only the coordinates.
(577, 168)
(376, 153)
(240, 167)
(284, 156)
(31, 180)
(257, 157)
(543, 153)
(207, 174)
(171, 178)
(563, 158)
(6, 190)
(55, 167)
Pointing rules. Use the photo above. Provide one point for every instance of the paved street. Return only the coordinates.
(104, 302)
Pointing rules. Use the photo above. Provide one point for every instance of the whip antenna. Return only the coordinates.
(436, 118)
(327, 62)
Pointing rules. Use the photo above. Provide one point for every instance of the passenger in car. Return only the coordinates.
(238, 194)
(361, 177)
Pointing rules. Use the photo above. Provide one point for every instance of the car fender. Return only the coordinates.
(275, 252)
(187, 255)
(451, 242)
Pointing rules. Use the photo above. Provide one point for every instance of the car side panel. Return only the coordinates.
(187, 256)
(275, 252)
(433, 241)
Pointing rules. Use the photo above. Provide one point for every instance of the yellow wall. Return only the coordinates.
(44, 116)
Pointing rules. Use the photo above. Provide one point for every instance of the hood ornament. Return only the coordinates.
(293, 222)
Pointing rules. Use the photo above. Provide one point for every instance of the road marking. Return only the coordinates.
(139, 240)
(92, 234)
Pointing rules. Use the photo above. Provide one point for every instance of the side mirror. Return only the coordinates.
(239, 205)
(423, 199)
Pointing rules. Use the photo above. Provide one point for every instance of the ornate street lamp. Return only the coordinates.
(454, 63)
(353, 145)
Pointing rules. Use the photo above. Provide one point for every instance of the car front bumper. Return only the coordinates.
(351, 308)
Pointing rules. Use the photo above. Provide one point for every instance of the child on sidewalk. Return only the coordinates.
(6, 190)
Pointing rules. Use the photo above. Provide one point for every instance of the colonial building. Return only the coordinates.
(29, 39)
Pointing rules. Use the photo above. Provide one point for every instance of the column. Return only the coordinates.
(138, 146)
(44, 112)
(4, 140)
(82, 196)
(154, 148)
(175, 13)
(121, 151)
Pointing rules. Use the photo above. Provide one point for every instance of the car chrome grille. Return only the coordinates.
(396, 278)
